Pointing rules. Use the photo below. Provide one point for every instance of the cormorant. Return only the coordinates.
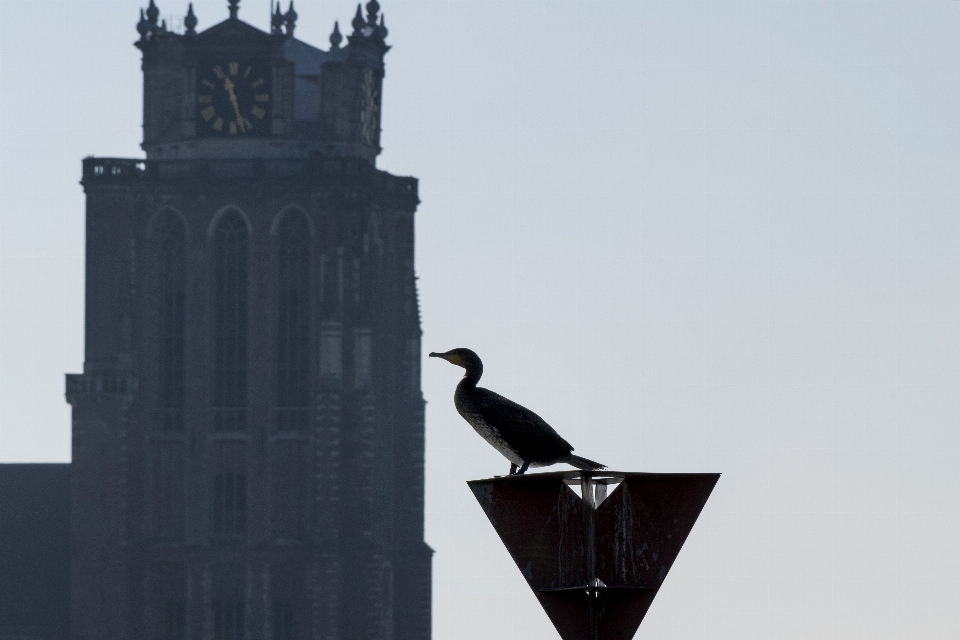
(523, 437)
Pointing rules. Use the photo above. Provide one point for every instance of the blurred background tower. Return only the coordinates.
(248, 428)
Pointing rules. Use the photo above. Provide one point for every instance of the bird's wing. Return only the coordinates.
(521, 428)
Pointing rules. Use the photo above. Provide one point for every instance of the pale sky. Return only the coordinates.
(693, 236)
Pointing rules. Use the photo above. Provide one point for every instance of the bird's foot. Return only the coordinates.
(513, 469)
(526, 465)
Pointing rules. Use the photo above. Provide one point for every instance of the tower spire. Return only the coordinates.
(190, 21)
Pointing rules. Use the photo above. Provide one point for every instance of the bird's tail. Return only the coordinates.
(583, 463)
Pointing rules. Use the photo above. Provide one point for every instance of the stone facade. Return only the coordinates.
(248, 429)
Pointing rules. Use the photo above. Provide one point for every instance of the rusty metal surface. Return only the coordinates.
(595, 564)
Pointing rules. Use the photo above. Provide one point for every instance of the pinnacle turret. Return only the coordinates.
(371, 31)
(148, 25)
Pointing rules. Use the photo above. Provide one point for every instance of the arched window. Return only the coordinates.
(230, 323)
(170, 245)
(292, 253)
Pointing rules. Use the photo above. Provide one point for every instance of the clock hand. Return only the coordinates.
(228, 85)
(236, 109)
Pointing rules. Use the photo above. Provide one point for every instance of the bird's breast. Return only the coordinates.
(471, 413)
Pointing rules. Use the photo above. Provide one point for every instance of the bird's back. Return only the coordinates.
(515, 431)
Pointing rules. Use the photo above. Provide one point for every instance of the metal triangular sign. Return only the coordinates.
(595, 564)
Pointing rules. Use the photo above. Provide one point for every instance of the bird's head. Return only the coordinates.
(462, 358)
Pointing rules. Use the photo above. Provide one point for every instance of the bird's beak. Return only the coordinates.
(449, 357)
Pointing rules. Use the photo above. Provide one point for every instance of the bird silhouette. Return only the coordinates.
(523, 437)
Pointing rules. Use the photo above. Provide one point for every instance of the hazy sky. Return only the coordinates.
(693, 236)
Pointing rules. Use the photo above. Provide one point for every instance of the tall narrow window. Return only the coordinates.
(292, 252)
(230, 324)
(228, 619)
(229, 504)
(170, 242)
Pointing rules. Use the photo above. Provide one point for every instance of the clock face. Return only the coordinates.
(233, 99)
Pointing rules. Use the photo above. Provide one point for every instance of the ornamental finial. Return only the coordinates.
(234, 8)
(358, 21)
(143, 27)
(190, 22)
(336, 38)
(372, 8)
(291, 20)
(382, 29)
(153, 13)
(276, 21)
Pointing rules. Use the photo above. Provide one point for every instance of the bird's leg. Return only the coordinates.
(526, 465)
(513, 469)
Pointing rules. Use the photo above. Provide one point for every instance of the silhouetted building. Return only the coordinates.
(34, 551)
(248, 428)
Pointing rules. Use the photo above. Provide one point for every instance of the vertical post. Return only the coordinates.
(589, 505)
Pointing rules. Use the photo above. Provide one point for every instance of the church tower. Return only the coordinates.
(248, 429)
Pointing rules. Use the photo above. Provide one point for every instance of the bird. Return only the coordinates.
(523, 437)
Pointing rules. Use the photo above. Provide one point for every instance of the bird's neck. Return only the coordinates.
(471, 377)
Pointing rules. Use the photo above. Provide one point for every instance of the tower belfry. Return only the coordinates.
(248, 429)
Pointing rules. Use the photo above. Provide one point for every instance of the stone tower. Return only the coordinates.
(248, 430)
